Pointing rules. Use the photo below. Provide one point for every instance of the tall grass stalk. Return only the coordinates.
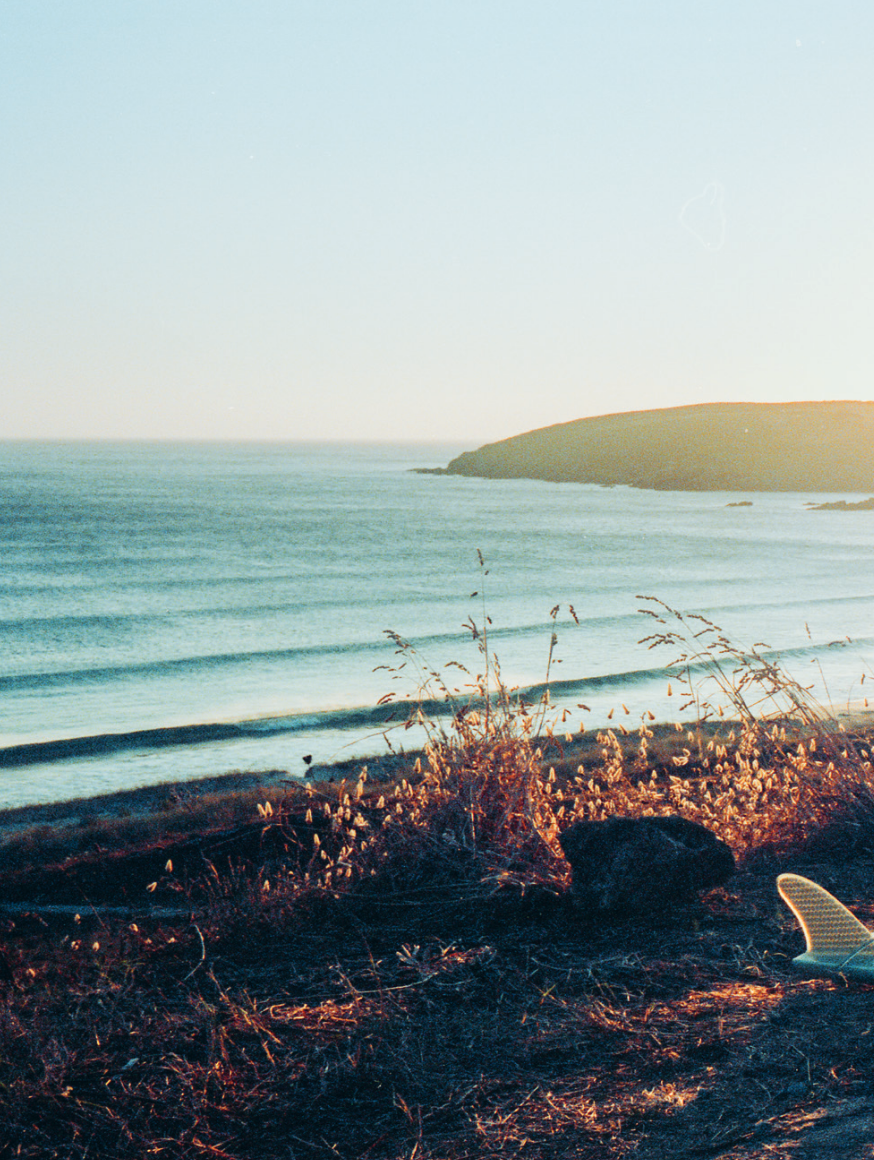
(482, 785)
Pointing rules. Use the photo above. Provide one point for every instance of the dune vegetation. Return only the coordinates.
(395, 969)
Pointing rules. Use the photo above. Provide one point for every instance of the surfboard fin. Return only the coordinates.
(837, 943)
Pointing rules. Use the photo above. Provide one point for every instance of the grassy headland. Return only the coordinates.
(709, 447)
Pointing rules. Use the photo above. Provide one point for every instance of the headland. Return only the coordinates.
(811, 446)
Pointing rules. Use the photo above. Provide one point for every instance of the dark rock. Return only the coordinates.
(841, 505)
(635, 865)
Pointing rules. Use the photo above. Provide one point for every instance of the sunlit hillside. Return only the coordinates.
(708, 447)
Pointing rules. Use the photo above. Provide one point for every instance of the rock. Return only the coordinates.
(841, 505)
(636, 865)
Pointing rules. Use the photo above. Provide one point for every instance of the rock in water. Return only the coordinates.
(639, 865)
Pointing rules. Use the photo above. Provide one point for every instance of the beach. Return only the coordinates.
(181, 806)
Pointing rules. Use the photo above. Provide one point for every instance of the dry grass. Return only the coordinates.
(771, 773)
(391, 971)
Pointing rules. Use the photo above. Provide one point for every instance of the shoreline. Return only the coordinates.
(142, 803)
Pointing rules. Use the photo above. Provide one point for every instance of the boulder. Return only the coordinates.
(635, 865)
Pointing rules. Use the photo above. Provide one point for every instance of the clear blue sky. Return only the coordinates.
(309, 219)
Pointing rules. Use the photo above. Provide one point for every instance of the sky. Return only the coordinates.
(449, 220)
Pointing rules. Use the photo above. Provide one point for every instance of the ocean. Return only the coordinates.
(175, 610)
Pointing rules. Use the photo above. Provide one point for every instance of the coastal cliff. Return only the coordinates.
(706, 447)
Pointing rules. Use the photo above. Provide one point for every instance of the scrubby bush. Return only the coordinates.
(762, 765)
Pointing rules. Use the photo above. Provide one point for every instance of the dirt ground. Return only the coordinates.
(423, 1020)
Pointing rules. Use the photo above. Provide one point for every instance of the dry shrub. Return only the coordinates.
(788, 771)
(481, 805)
(477, 803)
(746, 803)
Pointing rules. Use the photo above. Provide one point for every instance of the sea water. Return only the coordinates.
(170, 611)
